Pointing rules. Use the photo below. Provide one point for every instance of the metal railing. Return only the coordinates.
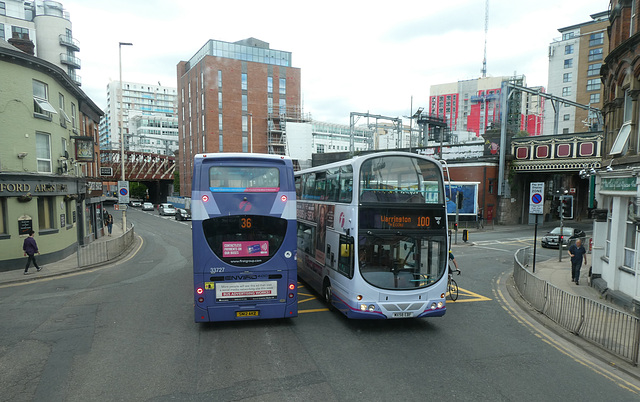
(613, 330)
(103, 251)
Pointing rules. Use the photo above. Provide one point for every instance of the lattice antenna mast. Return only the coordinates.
(486, 31)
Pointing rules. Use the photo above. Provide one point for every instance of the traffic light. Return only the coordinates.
(455, 227)
(566, 207)
(459, 199)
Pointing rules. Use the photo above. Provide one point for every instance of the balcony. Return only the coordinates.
(70, 42)
(76, 79)
(69, 60)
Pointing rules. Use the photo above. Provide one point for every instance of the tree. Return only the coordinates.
(176, 181)
(137, 190)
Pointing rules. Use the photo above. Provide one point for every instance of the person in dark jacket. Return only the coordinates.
(577, 253)
(109, 222)
(30, 249)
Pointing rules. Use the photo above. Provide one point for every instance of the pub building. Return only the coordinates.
(49, 180)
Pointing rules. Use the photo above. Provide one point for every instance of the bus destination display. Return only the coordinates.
(392, 218)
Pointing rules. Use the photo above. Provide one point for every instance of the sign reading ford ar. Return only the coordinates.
(13, 187)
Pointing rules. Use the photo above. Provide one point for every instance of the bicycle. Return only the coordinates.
(452, 285)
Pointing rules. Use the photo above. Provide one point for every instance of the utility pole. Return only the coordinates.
(560, 238)
(122, 164)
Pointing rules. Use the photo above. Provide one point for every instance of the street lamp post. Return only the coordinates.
(120, 117)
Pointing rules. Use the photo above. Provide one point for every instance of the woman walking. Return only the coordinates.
(109, 221)
(30, 249)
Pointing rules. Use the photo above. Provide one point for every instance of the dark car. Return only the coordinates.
(569, 236)
(183, 214)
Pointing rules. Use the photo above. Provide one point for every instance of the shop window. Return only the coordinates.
(3, 216)
(630, 244)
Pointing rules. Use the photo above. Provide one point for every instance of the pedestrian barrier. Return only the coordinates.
(103, 251)
(613, 330)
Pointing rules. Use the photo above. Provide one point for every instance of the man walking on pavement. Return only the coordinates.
(30, 249)
(577, 253)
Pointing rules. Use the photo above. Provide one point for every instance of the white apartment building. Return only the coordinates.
(149, 117)
(43, 29)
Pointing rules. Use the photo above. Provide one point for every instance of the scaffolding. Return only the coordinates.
(276, 127)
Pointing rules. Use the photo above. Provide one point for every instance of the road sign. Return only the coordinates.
(536, 200)
(106, 171)
(123, 192)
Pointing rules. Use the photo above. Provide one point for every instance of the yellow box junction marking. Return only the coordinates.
(465, 296)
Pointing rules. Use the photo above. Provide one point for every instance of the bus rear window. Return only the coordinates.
(244, 179)
(245, 240)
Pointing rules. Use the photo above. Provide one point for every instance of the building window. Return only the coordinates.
(219, 100)
(43, 152)
(320, 148)
(45, 212)
(565, 131)
(566, 77)
(64, 118)
(245, 123)
(566, 91)
(568, 49)
(283, 106)
(593, 85)
(244, 103)
(270, 84)
(220, 121)
(630, 244)
(595, 54)
(68, 210)
(593, 69)
(244, 81)
(568, 35)
(594, 98)
(633, 18)
(596, 39)
(2, 32)
(73, 116)
(566, 117)
(568, 63)
(219, 78)
(19, 33)
(245, 144)
(283, 86)
(269, 104)
(607, 248)
(41, 103)
(3, 11)
(220, 147)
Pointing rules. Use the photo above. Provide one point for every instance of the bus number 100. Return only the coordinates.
(424, 221)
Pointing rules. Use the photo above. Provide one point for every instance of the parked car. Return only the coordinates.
(183, 214)
(569, 236)
(137, 204)
(166, 209)
(147, 206)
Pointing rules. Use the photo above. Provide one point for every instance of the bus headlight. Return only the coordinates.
(372, 307)
(433, 306)
(440, 304)
(363, 307)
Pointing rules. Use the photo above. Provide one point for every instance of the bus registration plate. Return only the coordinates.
(402, 315)
(251, 313)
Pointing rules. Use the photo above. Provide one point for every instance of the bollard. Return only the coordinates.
(465, 235)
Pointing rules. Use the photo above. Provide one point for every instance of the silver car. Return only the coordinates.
(166, 209)
(147, 206)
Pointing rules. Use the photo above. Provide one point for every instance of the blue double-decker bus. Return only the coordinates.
(243, 209)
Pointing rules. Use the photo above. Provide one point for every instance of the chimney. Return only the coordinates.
(26, 45)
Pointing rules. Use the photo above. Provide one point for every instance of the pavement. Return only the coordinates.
(60, 267)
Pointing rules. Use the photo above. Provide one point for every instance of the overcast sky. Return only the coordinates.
(354, 55)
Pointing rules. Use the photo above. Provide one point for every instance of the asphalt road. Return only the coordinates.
(126, 332)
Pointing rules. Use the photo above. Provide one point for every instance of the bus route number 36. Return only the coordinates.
(245, 223)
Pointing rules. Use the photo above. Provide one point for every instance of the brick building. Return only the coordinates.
(234, 97)
(616, 241)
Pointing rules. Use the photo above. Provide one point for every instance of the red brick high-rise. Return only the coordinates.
(232, 97)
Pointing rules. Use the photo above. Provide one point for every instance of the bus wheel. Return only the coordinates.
(327, 294)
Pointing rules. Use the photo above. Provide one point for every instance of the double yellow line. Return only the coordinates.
(544, 337)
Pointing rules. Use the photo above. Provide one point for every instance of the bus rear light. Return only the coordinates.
(359, 297)
(372, 307)
(205, 198)
(200, 299)
(291, 295)
(283, 198)
(199, 291)
(292, 286)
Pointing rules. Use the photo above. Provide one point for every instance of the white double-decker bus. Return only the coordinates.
(372, 235)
